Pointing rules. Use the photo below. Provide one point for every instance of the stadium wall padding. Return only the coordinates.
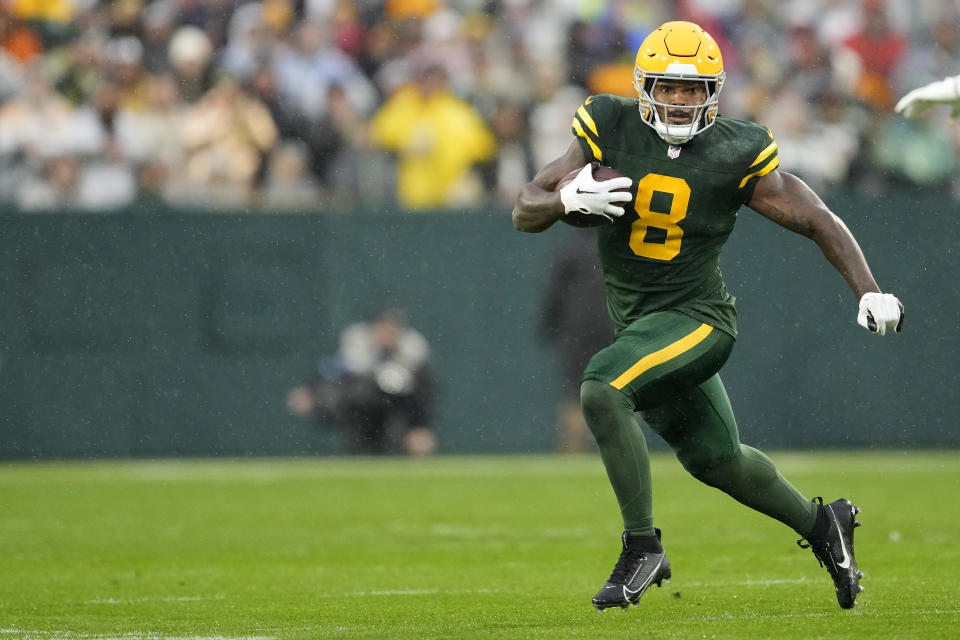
(133, 334)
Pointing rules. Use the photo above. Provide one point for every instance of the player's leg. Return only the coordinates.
(655, 357)
(623, 449)
(617, 381)
(700, 426)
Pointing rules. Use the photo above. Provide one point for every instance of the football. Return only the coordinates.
(601, 173)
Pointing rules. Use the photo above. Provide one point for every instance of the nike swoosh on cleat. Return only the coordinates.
(843, 547)
(627, 592)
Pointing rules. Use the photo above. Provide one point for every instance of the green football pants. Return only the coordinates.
(665, 366)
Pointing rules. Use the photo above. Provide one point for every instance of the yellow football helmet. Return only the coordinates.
(679, 51)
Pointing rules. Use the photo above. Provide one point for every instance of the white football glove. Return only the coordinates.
(585, 195)
(918, 102)
(879, 312)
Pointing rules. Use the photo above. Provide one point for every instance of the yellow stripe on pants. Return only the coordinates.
(669, 352)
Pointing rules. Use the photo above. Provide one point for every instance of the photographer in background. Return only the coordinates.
(377, 387)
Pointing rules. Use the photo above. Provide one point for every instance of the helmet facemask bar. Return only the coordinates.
(704, 115)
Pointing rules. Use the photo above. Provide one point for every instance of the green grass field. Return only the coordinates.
(455, 547)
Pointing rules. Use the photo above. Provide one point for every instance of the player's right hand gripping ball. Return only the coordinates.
(879, 312)
(591, 195)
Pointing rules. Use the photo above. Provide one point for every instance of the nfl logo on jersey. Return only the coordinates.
(673, 151)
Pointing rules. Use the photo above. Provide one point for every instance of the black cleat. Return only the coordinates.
(635, 571)
(834, 550)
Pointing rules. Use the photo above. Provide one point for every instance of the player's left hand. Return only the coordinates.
(879, 312)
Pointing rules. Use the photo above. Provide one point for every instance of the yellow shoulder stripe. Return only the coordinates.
(770, 166)
(669, 352)
(763, 154)
(597, 154)
(587, 120)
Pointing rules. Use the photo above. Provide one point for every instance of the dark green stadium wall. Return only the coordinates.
(138, 335)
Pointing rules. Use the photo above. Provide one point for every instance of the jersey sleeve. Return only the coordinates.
(764, 161)
(588, 126)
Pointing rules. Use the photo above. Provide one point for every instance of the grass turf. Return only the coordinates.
(455, 547)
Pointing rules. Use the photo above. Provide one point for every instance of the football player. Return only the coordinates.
(688, 172)
(919, 101)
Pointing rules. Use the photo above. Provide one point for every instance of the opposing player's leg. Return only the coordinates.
(663, 345)
(699, 425)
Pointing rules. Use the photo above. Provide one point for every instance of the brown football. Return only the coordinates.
(600, 174)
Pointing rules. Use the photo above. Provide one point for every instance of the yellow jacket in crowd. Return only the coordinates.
(437, 138)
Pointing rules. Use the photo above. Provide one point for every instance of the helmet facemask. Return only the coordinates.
(704, 115)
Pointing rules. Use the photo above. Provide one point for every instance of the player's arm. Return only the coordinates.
(538, 205)
(788, 201)
(918, 102)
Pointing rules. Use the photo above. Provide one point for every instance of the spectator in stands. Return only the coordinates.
(191, 54)
(18, 42)
(553, 103)
(39, 123)
(875, 52)
(127, 74)
(306, 68)
(334, 64)
(227, 135)
(513, 166)
(157, 23)
(289, 185)
(437, 139)
(147, 134)
(250, 43)
(817, 139)
(934, 54)
(71, 156)
(107, 180)
(377, 388)
(55, 189)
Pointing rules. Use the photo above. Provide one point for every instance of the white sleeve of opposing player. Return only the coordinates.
(919, 101)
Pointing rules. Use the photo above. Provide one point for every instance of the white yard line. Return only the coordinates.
(154, 599)
(411, 592)
(750, 582)
(777, 616)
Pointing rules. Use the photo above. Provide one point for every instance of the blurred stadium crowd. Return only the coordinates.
(352, 105)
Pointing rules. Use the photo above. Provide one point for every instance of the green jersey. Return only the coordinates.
(664, 252)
